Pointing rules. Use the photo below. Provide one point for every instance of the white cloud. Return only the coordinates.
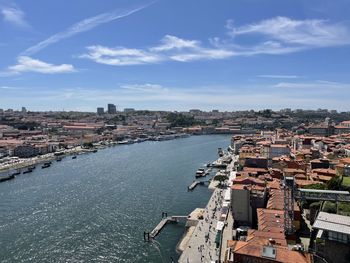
(28, 64)
(172, 42)
(275, 36)
(144, 88)
(171, 48)
(9, 88)
(279, 76)
(285, 35)
(15, 16)
(313, 85)
(83, 26)
(120, 56)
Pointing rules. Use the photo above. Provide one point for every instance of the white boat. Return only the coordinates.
(123, 142)
(200, 172)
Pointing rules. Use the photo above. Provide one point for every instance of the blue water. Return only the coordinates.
(96, 207)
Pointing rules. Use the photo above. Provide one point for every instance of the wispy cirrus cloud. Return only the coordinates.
(314, 85)
(14, 15)
(120, 56)
(10, 88)
(144, 88)
(28, 64)
(83, 26)
(308, 32)
(171, 48)
(279, 76)
(283, 35)
(275, 36)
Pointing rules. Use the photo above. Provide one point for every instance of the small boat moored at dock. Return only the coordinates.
(29, 170)
(17, 172)
(46, 165)
(200, 172)
(7, 178)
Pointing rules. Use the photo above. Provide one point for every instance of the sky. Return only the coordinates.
(175, 55)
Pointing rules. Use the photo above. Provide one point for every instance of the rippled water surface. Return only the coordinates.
(96, 207)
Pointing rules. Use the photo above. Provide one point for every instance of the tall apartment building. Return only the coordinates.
(100, 110)
(111, 109)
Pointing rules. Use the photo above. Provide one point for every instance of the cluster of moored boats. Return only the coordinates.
(219, 163)
(17, 172)
(30, 169)
(154, 138)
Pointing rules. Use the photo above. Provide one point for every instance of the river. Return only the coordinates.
(96, 207)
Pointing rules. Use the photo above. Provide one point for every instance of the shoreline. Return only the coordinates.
(191, 246)
(27, 162)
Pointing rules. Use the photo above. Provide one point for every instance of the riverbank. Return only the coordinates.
(22, 163)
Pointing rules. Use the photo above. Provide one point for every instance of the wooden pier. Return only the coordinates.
(167, 219)
(195, 183)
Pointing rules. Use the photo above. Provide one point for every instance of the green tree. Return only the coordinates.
(220, 178)
(334, 183)
(88, 145)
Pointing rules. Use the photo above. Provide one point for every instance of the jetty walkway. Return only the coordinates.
(165, 220)
(195, 183)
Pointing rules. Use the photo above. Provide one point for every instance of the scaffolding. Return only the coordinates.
(288, 189)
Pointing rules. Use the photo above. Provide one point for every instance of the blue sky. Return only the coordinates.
(175, 55)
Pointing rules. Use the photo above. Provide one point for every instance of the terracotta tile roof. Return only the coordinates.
(248, 180)
(270, 218)
(276, 200)
(252, 249)
(330, 172)
(263, 237)
(248, 187)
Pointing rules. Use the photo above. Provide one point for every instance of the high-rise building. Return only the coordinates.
(24, 110)
(129, 110)
(111, 109)
(100, 110)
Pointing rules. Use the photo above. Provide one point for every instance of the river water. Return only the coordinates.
(96, 207)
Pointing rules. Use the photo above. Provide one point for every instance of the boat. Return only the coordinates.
(220, 152)
(74, 157)
(18, 172)
(219, 164)
(58, 159)
(94, 151)
(6, 178)
(200, 173)
(123, 142)
(46, 165)
(29, 170)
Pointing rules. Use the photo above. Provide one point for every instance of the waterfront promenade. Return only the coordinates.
(201, 246)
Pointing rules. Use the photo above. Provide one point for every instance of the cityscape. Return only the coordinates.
(175, 131)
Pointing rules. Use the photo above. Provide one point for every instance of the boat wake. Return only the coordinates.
(157, 246)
